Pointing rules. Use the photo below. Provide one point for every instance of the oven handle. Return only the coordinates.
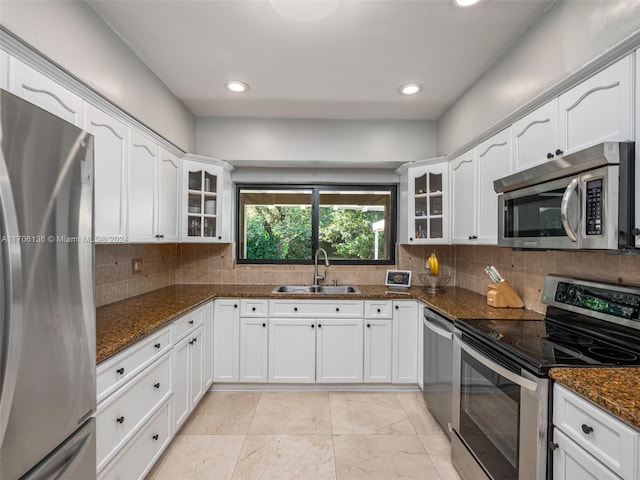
(500, 370)
(564, 209)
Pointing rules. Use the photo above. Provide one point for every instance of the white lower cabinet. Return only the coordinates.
(377, 350)
(377, 341)
(121, 414)
(207, 318)
(226, 340)
(339, 346)
(570, 462)
(254, 344)
(138, 456)
(590, 442)
(188, 355)
(405, 342)
(292, 350)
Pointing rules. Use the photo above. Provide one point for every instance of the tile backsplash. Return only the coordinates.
(115, 280)
(168, 264)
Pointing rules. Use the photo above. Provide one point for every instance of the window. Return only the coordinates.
(287, 224)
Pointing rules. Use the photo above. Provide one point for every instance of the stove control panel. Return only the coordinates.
(597, 299)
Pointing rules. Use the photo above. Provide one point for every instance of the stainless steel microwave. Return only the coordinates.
(584, 200)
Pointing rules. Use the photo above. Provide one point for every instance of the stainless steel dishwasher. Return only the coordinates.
(438, 366)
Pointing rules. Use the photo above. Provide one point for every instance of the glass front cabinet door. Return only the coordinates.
(428, 208)
(203, 188)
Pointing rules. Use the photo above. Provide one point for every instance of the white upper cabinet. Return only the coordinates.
(168, 197)
(142, 188)
(494, 162)
(599, 109)
(428, 205)
(463, 199)
(4, 70)
(110, 187)
(535, 137)
(206, 199)
(34, 87)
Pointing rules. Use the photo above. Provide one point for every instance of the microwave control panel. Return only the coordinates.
(594, 207)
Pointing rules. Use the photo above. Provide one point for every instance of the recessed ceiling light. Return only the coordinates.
(409, 88)
(465, 3)
(236, 86)
(305, 10)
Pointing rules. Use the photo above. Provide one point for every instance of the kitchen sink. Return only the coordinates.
(316, 289)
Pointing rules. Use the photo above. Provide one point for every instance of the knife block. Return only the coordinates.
(502, 295)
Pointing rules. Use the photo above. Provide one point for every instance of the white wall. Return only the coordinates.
(371, 143)
(567, 36)
(73, 35)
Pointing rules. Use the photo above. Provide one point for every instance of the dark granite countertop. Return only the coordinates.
(615, 389)
(123, 323)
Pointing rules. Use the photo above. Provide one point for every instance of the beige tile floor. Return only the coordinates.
(308, 436)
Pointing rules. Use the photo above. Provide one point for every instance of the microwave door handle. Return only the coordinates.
(564, 209)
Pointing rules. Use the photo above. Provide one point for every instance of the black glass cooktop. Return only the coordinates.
(540, 345)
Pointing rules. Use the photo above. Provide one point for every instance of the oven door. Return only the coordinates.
(499, 418)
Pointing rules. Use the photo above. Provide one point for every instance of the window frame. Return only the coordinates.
(315, 220)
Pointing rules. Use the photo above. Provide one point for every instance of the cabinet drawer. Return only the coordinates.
(120, 415)
(377, 309)
(139, 455)
(602, 435)
(115, 371)
(254, 308)
(186, 324)
(312, 309)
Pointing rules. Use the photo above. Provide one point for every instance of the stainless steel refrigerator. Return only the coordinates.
(47, 327)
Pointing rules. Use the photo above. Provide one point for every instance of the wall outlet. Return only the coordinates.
(136, 265)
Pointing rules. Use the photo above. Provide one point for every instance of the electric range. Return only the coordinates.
(501, 385)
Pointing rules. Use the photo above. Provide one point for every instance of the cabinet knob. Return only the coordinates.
(190, 322)
(559, 152)
(553, 446)
(264, 324)
(195, 340)
(396, 307)
(586, 429)
(368, 325)
(253, 309)
(337, 309)
(549, 155)
(473, 237)
(156, 436)
(411, 239)
(313, 326)
(295, 309)
(120, 371)
(219, 237)
(191, 342)
(120, 420)
(319, 325)
(156, 385)
(235, 306)
(157, 346)
(378, 310)
(635, 231)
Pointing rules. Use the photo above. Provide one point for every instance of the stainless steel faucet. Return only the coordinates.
(317, 276)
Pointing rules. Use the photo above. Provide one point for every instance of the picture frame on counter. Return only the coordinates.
(398, 278)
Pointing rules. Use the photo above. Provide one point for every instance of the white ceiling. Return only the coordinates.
(347, 65)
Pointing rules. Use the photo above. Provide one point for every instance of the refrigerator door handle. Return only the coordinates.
(11, 304)
(71, 460)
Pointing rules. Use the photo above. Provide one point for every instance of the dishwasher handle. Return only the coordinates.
(438, 330)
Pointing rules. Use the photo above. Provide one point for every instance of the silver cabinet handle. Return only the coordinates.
(564, 210)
